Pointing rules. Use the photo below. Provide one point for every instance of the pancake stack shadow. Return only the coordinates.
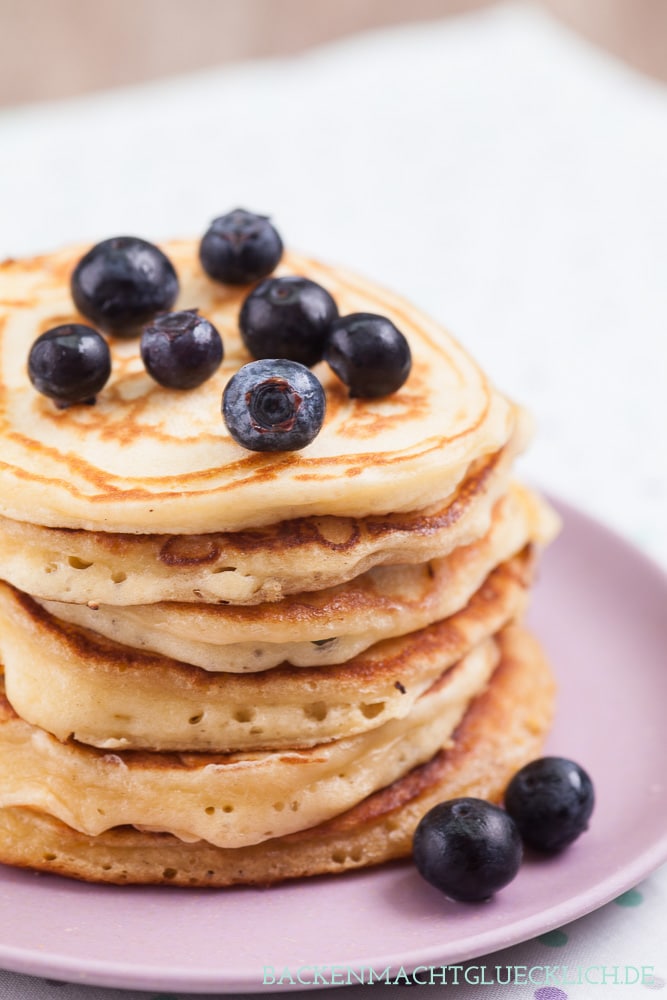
(226, 668)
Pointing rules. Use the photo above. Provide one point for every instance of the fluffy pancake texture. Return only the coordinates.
(503, 729)
(224, 666)
(238, 799)
(252, 566)
(151, 460)
(327, 626)
(73, 683)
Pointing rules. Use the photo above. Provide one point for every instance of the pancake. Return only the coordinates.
(77, 685)
(152, 460)
(247, 567)
(326, 626)
(503, 729)
(231, 800)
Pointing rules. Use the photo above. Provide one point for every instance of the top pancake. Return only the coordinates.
(145, 459)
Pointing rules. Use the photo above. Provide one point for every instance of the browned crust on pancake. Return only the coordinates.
(503, 729)
(447, 635)
(185, 551)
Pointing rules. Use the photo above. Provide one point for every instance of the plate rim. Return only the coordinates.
(108, 974)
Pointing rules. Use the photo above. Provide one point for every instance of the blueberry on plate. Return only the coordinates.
(69, 364)
(123, 282)
(273, 405)
(287, 318)
(369, 354)
(180, 350)
(240, 247)
(551, 800)
(467, 848)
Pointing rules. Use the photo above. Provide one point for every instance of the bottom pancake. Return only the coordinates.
(502, 730)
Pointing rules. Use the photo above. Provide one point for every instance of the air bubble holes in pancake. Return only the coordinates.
(317, 711)
(244, 715)
(195, 719)
(51, 567)
(373, 709)
(118, 577)
(76, 563)
(340, 857)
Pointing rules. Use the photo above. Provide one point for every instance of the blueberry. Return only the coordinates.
(467, 848)
(273, 405)
(369, 354)
(69, 363)
(122, 283)
(240, 247)
(180, 350)
(551, 801)
(287, 318)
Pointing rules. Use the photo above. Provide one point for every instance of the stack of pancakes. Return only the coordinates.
(223, 666)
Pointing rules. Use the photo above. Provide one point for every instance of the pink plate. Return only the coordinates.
(601, 610)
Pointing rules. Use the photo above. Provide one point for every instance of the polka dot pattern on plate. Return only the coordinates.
(554, 939)
(632, 897)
